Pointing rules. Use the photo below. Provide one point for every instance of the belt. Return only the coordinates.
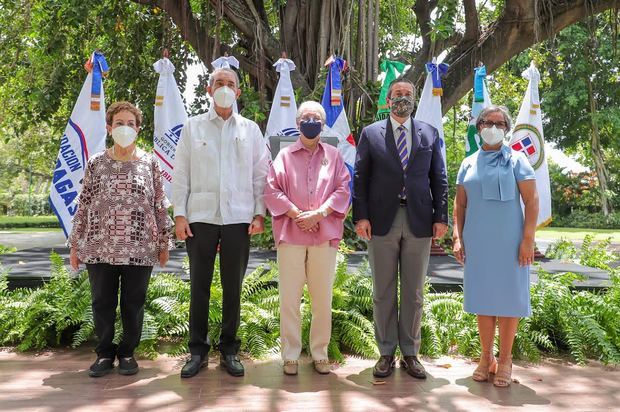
(403, 202)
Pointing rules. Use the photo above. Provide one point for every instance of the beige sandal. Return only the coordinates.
(481, 374)
(503, 376)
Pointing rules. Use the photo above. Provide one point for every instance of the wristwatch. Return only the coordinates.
(323, 213)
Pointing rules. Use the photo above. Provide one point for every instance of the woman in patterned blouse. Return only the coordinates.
(121, 229)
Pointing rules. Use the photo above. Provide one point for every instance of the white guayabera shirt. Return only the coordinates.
(220, 171)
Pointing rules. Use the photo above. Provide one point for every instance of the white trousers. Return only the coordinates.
(316, 266)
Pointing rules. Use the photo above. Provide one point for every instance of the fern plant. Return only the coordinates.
(585, 324)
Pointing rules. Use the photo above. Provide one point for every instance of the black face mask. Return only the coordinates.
(310, 129)
(402, 106)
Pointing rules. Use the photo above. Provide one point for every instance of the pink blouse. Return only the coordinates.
(309, 181)
(122, 217)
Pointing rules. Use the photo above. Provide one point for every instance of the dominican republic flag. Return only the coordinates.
(525, 145)
(84, 136)
(169, 118)
(226, 62)
(429, 108)
(528, 137)
(284, 108)
(480, 101)
(333, 103)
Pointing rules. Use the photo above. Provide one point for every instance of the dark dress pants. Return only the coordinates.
(104, 284)
(234, 242)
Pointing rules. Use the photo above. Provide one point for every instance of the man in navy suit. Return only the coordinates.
(400, 202)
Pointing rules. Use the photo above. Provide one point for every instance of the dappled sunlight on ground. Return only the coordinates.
(58, 381)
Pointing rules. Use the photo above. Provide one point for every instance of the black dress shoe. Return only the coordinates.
(193, 366)
(127, 366)
(413, 367)
(384, 366)
(232, 364)
(101, 367)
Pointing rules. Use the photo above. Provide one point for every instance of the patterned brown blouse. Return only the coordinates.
(121, 217)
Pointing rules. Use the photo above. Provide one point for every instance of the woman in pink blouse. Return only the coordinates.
(121, 229)
(308, 195)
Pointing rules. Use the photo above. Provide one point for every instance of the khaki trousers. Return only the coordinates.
(398, 252)
(316, 266)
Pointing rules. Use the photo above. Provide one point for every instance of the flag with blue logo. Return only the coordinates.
(169, 118)
(333, 103)
(83, 137)
(429, 107)
(284, 108)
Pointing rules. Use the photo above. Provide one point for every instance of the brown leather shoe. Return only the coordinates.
(384, 366)
(413, 367)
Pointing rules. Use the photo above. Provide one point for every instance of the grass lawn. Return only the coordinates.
(30, 229)
(14, 222)
(577, 233)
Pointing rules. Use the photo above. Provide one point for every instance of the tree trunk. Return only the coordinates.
(597, 152)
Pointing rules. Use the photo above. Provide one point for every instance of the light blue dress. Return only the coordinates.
(494, 283)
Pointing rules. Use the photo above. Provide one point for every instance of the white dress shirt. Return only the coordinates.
(408, 125)
(220, 170)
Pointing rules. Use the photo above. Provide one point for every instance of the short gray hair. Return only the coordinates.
(223, 70)
(493, 109)
(313, 106)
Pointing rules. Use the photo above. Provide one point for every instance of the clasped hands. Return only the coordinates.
(307, 221)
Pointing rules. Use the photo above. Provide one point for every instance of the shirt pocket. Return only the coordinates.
(242, 205)
(202, 205)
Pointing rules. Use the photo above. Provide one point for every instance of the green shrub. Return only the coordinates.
(582, 323)
(562, 249)
(587, 220)
(30, 205)
(6, 249)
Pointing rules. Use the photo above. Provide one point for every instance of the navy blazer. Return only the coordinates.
(379, 179)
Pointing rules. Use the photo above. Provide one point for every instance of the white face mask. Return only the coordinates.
(124, 135)
(492, 135)
(224, 97)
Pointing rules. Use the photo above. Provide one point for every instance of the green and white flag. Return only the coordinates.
(480, 101)
(527, 137)
(392, 70)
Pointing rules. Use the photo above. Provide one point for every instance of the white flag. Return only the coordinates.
(284, 108)
(84, 136)
(429, 107)
(527, 137)
(226, 62)
(169, 118)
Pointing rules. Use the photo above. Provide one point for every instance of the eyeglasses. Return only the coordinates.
(499, 125)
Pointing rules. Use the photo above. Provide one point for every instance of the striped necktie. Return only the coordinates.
(401, 144)
(403, 153)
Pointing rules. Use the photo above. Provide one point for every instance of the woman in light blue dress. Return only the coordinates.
(494, 240)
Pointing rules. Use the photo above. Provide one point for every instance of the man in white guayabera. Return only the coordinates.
(217, 191)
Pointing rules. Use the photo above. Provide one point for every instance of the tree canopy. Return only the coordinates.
(44, 44)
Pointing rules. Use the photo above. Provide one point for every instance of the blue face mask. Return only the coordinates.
(310, 128)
